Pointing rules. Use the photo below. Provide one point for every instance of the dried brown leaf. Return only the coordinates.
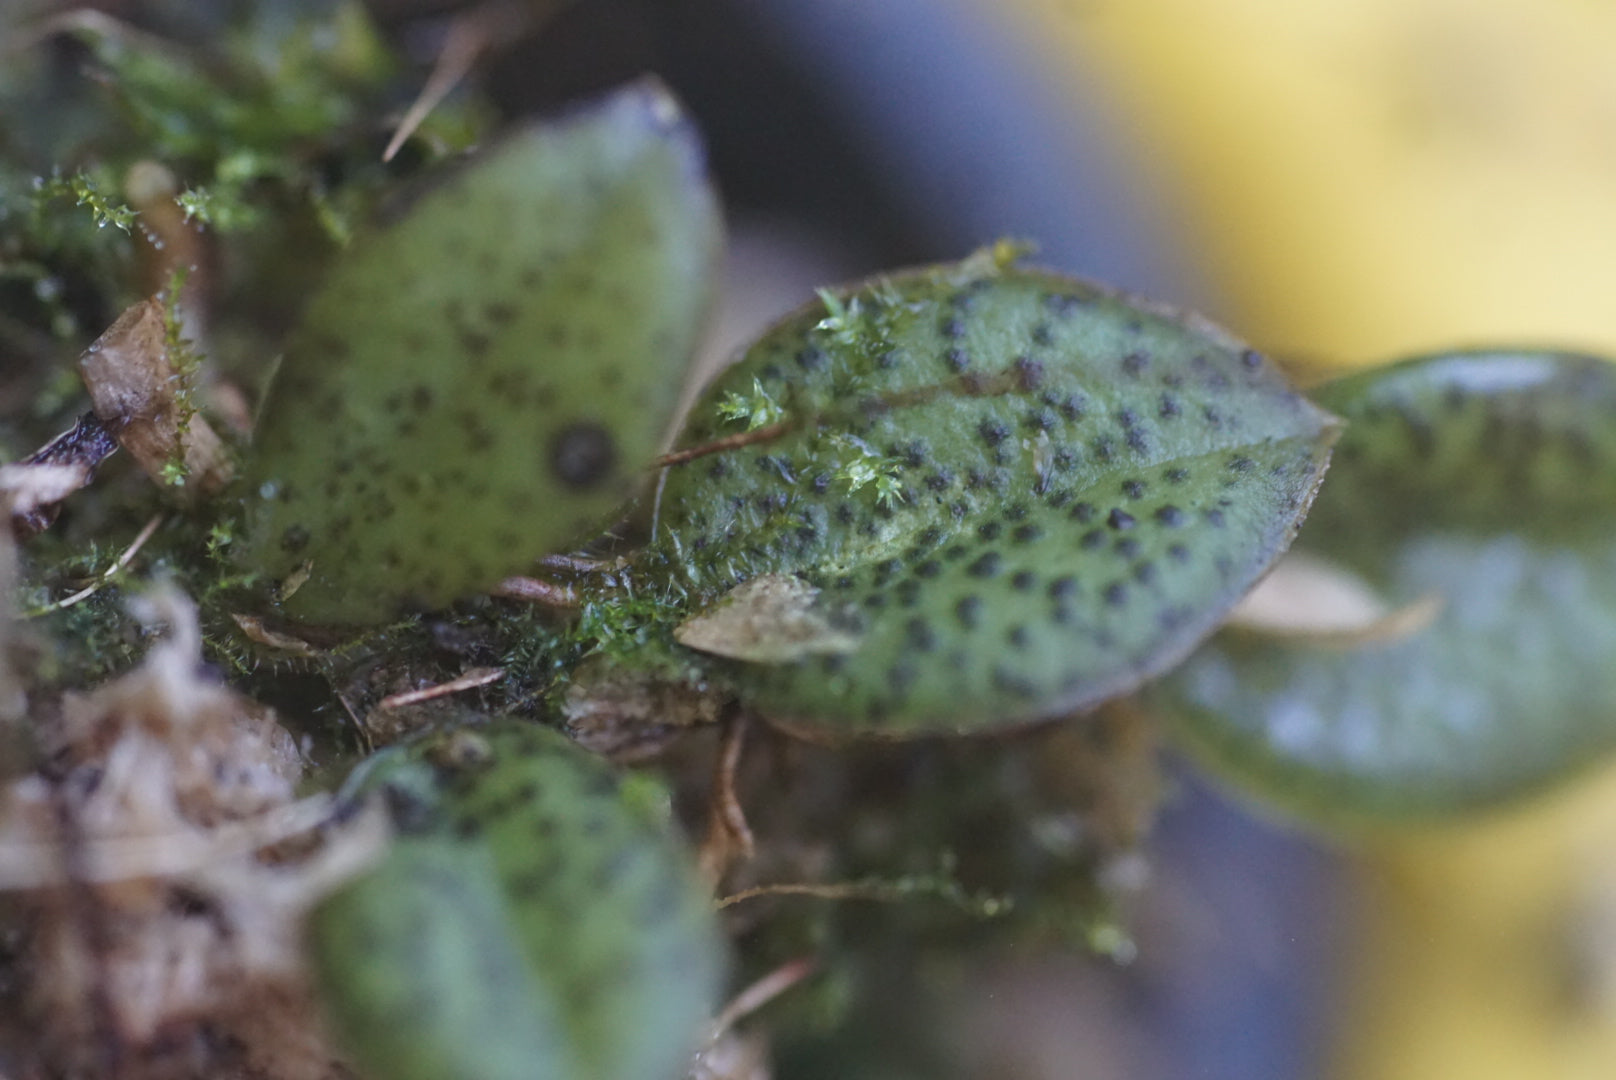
(770, 619)
(1308, 598)
(257, 632)
(139, 395)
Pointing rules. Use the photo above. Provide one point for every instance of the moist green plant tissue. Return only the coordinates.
(535, 918)
(1016, 493)
(483, 381)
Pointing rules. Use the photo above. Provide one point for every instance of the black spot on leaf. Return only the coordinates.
(582, 455)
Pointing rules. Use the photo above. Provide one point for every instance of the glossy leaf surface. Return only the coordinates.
(536, 918)
(483, 381)
(1487, 483)
(1021, 493)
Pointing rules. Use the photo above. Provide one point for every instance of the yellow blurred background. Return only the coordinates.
(1357, 181)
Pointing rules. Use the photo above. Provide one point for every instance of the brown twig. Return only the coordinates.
(762, 992)
(95, 586)
(469, 681)
(32, 36)
(970, 384)
(470, 35)
(843, 890)
(467, 39)
(367, 742)
(729, 442)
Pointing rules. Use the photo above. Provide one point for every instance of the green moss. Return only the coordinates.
(88, 192)
(271, 117)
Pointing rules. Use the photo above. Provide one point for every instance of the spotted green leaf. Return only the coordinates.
(483, 381)
(535, 919)
(1018, 493)
(1482, 485)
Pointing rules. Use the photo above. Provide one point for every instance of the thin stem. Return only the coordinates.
(729, 442)
(728, 834)
(762, 992)
(470, 35)
(95, 586)
(469, 681)
(361, 730)
(845, 890)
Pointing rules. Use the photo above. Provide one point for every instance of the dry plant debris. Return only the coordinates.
(32, 487)
(143, 399)
(161, 863)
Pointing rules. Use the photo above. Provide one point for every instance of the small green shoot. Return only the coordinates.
(868, 467)
(187, 363)
(757, 409)
(87, 192)
(842, 317)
